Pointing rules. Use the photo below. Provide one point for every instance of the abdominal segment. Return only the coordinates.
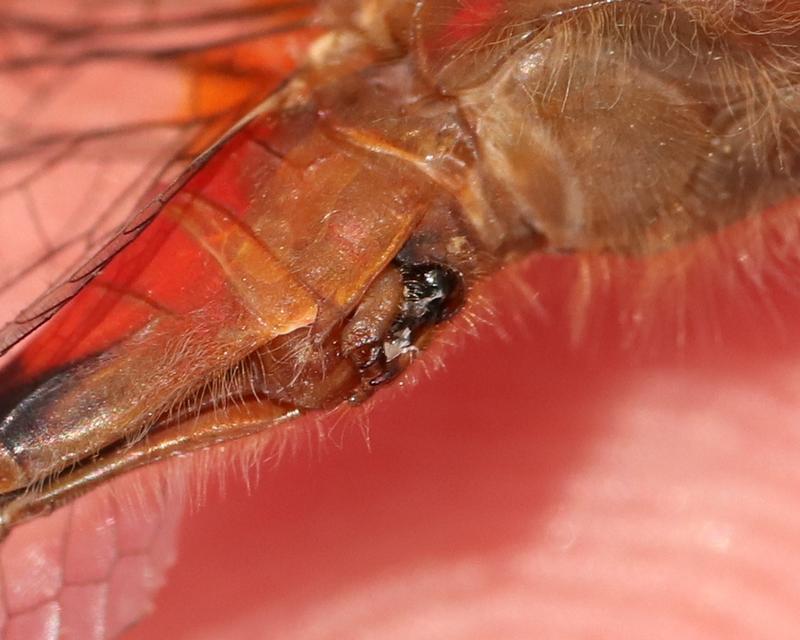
(306, 264)
(301, 269)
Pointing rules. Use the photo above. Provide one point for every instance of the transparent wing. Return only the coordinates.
(106, 108)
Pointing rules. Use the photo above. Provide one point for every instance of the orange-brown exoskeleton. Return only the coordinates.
(307, 255)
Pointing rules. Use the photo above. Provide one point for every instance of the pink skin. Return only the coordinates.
(529, 488)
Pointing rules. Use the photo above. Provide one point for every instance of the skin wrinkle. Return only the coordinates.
(159, 537)
(677, 572)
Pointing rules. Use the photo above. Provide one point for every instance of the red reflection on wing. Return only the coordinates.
(104, 118)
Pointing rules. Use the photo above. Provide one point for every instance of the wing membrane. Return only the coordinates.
(103, 117)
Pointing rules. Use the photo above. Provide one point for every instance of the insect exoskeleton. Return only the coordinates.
(423, 145)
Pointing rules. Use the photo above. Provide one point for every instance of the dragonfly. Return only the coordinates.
(300, 195)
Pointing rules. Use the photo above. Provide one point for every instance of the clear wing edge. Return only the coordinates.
(104, 119)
